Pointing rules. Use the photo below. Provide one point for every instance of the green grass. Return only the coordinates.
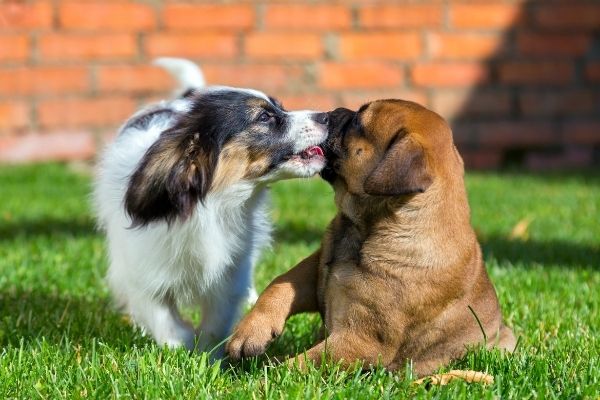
(61, 338)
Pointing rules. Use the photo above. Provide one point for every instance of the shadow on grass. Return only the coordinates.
(552, 252)
(52, 227)
(528, 253)
(34, 316)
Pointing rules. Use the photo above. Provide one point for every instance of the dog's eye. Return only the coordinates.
(264, 117)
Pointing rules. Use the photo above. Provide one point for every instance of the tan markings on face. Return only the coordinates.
(257, 105)
(232, 165)
(258, 164)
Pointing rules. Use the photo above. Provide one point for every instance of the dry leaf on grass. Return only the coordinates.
(467, 376)
(521, 230)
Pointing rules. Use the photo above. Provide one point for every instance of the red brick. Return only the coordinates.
(548, 44)
(20, 15)
(452, 46)
(360, 75)
(462, 134)
(535, 73)
(68, 47)
(581, 132)
(133, 78)
(355, 100)
(209, 44)
(48, 146)
(570, 157)
(205, 16)
(287, 45)
(360, 46)
(481, 159)
(13, 115)
(310, 101)
(106, 16)
(559, 102)
(516, 134)
(401, 16)
(449, 74)
(485, 16)
(261, 76)
(84, 112)
(300, 16)
(42, 80)
(453, 104)
(14, 47)
(592, 72)
(572, 16)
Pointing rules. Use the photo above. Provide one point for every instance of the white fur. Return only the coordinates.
(186, 72)
(206, 260)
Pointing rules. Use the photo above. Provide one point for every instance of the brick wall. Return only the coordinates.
(520, 80)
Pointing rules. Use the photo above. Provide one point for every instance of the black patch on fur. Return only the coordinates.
(143, 122)
(276, 103)
(178, 169)
(340, 121)
(188, 93)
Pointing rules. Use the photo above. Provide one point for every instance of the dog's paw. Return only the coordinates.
(253, 335)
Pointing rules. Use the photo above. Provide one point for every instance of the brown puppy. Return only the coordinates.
(399, 267)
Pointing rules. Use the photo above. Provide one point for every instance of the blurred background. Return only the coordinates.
(519, 80)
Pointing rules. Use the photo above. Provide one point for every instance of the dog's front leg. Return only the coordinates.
(291, 293)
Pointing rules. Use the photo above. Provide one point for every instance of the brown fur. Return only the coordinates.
(399, 266)
(237, 162)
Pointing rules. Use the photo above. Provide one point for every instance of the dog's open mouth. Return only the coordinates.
(312, 151)
(309, 154)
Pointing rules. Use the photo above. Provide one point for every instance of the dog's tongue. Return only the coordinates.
(314, 151)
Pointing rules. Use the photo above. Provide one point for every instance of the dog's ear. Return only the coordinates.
(401, 171)
(175, 173)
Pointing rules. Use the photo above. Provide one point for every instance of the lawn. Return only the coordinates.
(61, 338)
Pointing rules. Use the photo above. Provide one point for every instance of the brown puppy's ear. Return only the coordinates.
(174, 174)
(401, 171)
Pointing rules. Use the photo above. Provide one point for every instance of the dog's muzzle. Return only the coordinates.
(339, 120)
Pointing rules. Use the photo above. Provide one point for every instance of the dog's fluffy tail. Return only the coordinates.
(187, 73)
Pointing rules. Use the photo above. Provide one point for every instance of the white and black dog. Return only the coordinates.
(181, 194)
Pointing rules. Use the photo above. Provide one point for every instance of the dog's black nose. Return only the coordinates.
(321, 118)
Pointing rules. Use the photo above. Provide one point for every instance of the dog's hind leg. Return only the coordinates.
(346, 349)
